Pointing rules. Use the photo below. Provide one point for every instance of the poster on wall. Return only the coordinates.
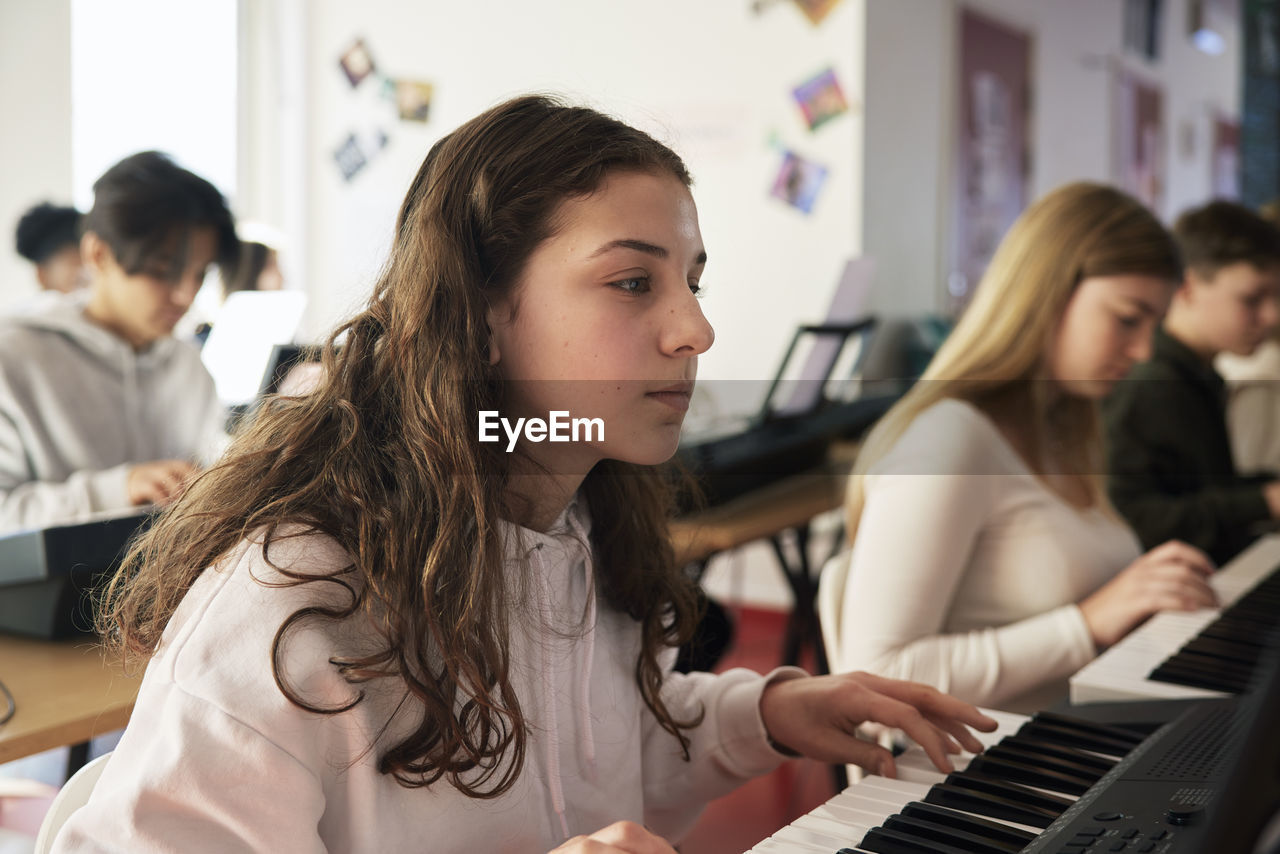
(1140, 136)
(1225, 161)
(992, 158)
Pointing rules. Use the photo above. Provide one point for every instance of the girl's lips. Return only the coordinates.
(678, 400)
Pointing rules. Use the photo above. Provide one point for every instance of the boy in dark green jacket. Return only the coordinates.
(1169, 460)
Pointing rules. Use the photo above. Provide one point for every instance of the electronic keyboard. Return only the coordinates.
(1047, 783)
(1193, 654)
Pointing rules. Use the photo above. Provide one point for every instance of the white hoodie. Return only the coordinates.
(215, 759)
(78, 407)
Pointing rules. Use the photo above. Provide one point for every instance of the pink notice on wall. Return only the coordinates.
(993, 156)
(1140, 139)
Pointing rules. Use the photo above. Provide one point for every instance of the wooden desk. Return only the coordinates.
(65, 694)
(769, 513)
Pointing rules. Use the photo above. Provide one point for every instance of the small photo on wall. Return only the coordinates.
(350, 157)
(799, 181)
(356, 63)
(413, 100)
(820, 98)
(816, 10)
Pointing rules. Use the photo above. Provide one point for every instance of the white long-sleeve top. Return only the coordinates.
(78, 408)
(216, 759)
(966, 568)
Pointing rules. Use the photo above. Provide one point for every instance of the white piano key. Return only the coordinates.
(848, 833)
(795, 834)
(774, 846)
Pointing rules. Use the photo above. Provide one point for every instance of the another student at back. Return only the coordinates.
(49, 237)
(1169, 457)
(100, 408)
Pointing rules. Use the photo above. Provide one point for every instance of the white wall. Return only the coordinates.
(711, 78)
(911, 56)
(35, 148)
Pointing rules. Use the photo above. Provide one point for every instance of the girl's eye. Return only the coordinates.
(1129, 321)
(635, 285)
(696, 288)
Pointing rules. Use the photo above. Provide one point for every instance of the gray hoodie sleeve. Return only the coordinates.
(26, 502)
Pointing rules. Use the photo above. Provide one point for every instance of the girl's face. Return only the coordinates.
(605, 323)
(1105, 330)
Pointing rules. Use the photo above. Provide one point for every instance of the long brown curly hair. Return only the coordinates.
(383, 458)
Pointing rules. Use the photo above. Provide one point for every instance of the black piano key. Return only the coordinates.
(1179, 676)
(947, 834)
(1236, 668)
(1087, 773)
(992, 830)
(1116, 733)
(1076, 738)
(1016, 792)
(929, 831)
(1193, 668)
(1232, 650)
(1033, 775)
(1101, 764)
(993, 806)
(884, 841)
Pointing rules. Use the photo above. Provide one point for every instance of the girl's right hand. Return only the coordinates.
(1171, 577)
(621, 837)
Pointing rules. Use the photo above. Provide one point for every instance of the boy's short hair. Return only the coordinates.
(45, 230)
(146, 201)
(1222, 233)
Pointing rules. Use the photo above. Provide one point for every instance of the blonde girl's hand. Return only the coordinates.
(622, 837)
(818, 717)
(1171, 577)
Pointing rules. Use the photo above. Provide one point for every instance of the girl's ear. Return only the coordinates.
(495, 355)
(95, 252)
(491, 320)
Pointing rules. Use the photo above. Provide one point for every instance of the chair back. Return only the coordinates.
(830, 603)
(73, 795)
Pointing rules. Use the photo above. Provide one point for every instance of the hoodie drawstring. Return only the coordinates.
(589, 642)
(550, 679)
(549, 697)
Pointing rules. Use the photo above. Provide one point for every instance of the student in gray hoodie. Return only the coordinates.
(101, 408)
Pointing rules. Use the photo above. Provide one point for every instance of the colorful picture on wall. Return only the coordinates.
(799, 181)
(821, 98)
(413, 100)
(992, 158)
(1140, 139)
(356, 63)
(816, 10)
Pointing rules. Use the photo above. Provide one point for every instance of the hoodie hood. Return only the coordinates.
(64, 315)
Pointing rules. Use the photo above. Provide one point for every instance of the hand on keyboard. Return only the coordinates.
(619, 837)
(1171, 577)
(818, 716)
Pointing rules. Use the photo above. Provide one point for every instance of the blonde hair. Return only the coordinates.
(996, 355)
